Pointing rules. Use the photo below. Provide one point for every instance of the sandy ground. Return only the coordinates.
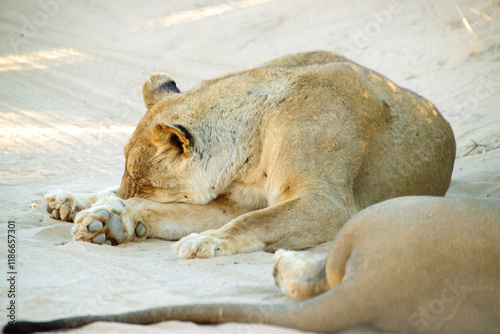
(71, 75)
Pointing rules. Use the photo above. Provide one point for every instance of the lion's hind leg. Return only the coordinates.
(300, 275)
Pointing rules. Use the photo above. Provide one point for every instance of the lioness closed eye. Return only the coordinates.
(279, 156)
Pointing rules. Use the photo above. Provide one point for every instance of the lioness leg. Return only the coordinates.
(114, 221)
(284, 225)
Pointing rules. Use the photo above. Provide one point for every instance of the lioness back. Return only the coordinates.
(394, 142)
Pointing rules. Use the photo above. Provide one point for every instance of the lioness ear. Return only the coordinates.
(157, 87)
(174, 140)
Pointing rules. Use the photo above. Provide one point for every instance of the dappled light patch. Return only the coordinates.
(40, 59)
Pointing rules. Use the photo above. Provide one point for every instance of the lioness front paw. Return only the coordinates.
(103, 225)
(63, 206)
(199, 246)
(214, 243)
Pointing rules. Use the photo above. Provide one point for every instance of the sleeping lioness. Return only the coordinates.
(410, 264)
(279, 156)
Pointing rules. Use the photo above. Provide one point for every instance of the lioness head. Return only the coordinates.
(190, 146)
(160, 149)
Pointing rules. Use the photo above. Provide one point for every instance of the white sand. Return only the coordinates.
(71, 77)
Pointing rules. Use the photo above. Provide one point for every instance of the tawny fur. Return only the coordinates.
(279, 156)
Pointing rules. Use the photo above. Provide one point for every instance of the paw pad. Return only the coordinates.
(99, 239)
(140, 230)
(95, 226)
(113, 234)
(117, 229)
